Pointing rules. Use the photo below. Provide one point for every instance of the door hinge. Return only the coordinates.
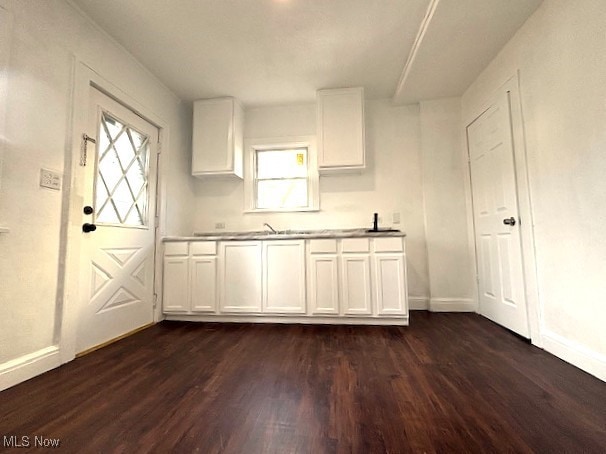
(155, 300)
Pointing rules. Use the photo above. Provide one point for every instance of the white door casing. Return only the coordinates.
(117, 260)
(494, 192)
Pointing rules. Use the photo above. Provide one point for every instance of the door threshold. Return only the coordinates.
(115, 339)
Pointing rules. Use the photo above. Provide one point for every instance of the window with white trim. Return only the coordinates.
(282, 175)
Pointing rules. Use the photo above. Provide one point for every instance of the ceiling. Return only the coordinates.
(281, 51)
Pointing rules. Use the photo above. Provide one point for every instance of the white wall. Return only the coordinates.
(391, 183)
(560, 56)
(46, 37)
(451, 269)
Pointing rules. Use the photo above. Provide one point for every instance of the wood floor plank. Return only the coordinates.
(446, 383)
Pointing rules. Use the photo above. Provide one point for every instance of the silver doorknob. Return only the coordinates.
(510, 221)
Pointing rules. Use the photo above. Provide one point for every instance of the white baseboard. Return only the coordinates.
(576, 354)
(452, 305)
(28, 366)
(418, 303)
(315, 320)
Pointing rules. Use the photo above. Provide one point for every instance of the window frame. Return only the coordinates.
(275, 143)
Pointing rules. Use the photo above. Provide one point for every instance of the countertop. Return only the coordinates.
(287, 235)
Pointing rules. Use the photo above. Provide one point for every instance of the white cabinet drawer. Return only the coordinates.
(323, 246)
(203, 248)
(389, 244)
(176, 248)
(355, 245)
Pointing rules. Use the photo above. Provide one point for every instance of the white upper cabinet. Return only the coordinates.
(217, 140)
(340, 129)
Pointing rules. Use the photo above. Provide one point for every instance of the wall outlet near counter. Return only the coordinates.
(219, 225)
(395, 217)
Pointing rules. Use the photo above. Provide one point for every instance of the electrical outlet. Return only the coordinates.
(395, 218)
(220, 225)
(50, 179)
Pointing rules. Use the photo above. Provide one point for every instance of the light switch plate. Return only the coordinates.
(395, 218)
(50, 179)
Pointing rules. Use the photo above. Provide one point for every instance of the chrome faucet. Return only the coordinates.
(270, 227)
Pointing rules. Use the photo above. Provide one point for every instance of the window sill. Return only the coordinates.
(285, 210)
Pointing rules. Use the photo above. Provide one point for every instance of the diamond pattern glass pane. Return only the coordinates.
(122, 198)
(138, 139)
(107, 166)
(124, 149)
(122, 172)
(104, 143)
(134, 217)
(136, 178)
(108, 215)
(112, 125)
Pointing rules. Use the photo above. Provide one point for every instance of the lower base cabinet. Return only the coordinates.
(176, 284)
(190, 278)
(349, 280)
(284, 277)
(323, 284)
(355, 284)
(203, 284)
(390, 284)
(240, 281)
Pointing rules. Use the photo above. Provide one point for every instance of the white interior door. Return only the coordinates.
(496, 219)
(117, 261)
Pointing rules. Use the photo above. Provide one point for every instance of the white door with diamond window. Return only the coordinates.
(118, 234)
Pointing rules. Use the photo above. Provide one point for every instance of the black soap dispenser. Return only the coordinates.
(375, 222)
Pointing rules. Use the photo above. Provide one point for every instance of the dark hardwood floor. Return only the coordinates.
(448, 383)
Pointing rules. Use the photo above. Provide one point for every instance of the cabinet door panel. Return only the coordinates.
(217, 137)
(284, 280)
(341, 128)
(175, 284)
(355, 276)
(213, 124)
(240, 281)
(389, 286)
(323, 284)
(203, 273)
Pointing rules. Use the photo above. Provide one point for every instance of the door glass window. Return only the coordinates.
(121, 180)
